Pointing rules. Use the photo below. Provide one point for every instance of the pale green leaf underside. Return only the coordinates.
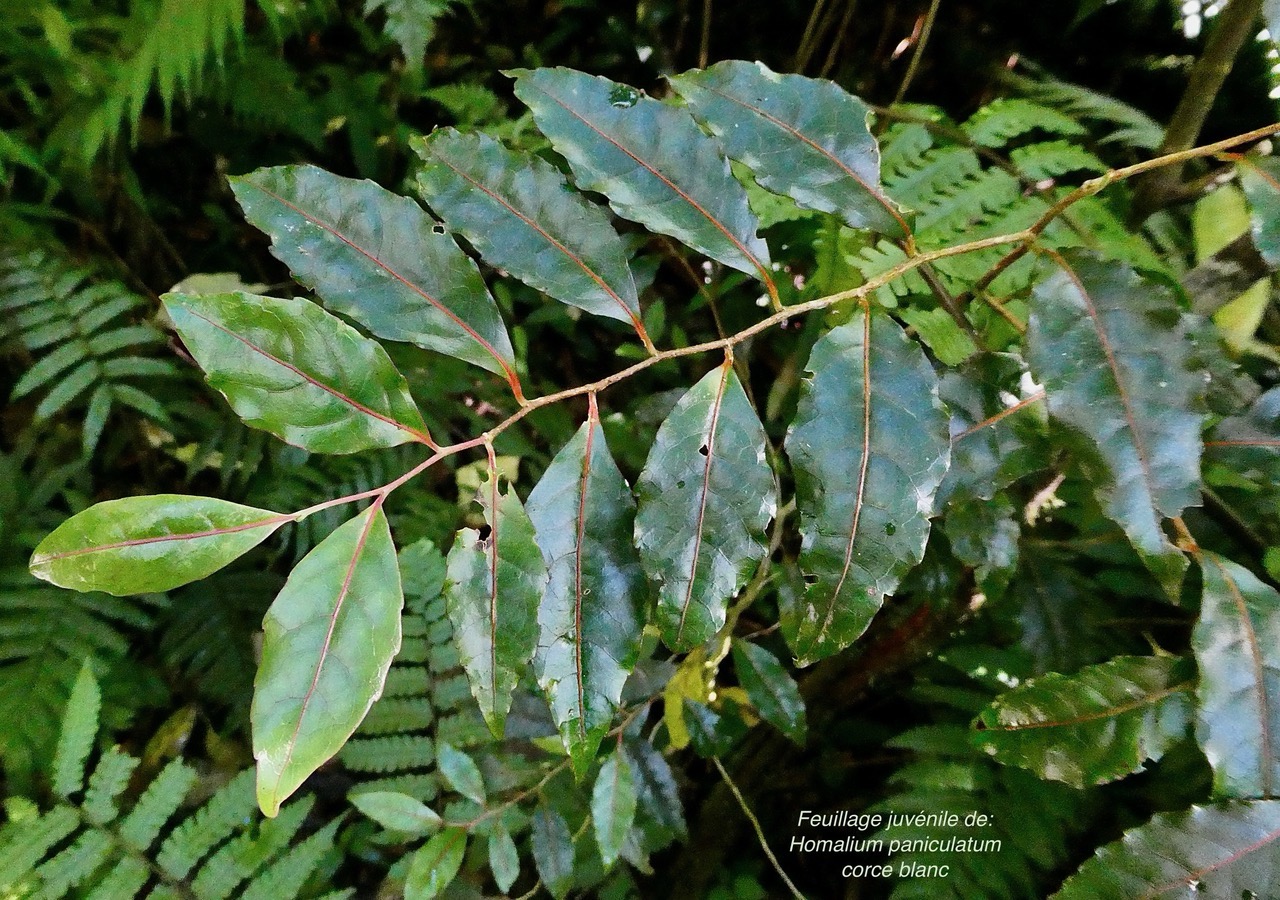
(1237, 648)
(288, 367)
(397, 811)
(1091, 727)
(869, 447)
(328, 641)
(522, 216)
(706, 497)
(1107, 348)
(378, 258)
(591, 618)
(141, 545)
(1224, 850)
(652, 161)
(803, 137)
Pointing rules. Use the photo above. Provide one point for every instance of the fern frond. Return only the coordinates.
(85, 338)
(410, 23)
(1129, 126)
(87, 846)
(1000, 121)
(207, 634)
(45, 635)
(1033, 821)
(1053, 159)
(166, 46)
(78, 734)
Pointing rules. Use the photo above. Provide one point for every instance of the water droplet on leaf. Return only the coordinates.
(624, 97)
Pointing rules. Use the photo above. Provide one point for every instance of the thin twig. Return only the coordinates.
(704, 44)
(1094, 185)
(925, 30)
(1024, 241)
(805, 50)
(755, 823)
(838, 41)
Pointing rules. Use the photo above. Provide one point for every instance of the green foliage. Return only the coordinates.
(590, 615)
(105, 838)
(88, 341)
(1102, 723)
(706, 476)
(334, 629)
(494, 585)
(1223, 850)
(962, 334)
(869, 450)
(1118, 370)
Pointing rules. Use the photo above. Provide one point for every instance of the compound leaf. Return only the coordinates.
(1223, 850)
(869, 448)
(288, 367)
(590, 620)
(803, 137)
(378, 258)
(652, 161)
(494, 584)
(1108, 348)
(521, 214)
(1237, 647)
(140, 545)
(1094, 726)
(706, 496)
(328, 641)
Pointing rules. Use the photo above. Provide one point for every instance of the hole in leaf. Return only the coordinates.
(703, 450)
(811, 579)
(437, 228)
(890, 529)
(484, 531)
(680, 484)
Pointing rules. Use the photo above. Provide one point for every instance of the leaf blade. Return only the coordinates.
(707, 494)
(1096, 316)
(397, 811)
(1223, 850)
(140, 545)
(522, 216)
(491, 595)
(288, 367)
(1100, 724)
(590, 620)
(613, 807)
(376, 257)
(435, 865)
(771, 689)
(867, 469)
(333, 631)
(650, 159)
(806, 138)
(1239, 692)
